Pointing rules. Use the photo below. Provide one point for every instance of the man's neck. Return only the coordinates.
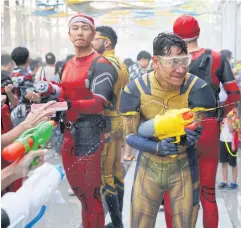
(192, 47)
(24, 67)
(82, 52)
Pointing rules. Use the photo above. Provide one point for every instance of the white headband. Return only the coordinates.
(190, 39)
(81, 19)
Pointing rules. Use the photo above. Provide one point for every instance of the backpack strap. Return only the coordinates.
(91, 71)
(43, 68)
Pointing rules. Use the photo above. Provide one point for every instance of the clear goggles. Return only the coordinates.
(175, 61)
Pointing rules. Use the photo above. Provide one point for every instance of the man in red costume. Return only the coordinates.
(87, 86)
(212, 68)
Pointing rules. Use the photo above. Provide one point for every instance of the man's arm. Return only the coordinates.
(12, 99)
(102, 86)
(27, 91)
(42, 114)
(230, 85)
(131, 110)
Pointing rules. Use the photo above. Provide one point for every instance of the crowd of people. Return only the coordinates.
(108, 99)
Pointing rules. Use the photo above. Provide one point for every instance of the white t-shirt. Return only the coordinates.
(225, 135)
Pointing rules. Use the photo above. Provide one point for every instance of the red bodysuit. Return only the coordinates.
(83, 142)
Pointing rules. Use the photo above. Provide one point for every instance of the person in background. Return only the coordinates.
(128, 62)
(34, 67)
(229, 139)
(141, 67)
(6, 81)
(112, 179)
(47, 72)
(213, 68)
(24, 85)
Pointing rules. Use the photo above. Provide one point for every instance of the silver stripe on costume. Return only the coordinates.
(101, 96)
(81, 19)
(106, 76)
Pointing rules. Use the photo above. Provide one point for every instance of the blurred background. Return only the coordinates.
(41, 25)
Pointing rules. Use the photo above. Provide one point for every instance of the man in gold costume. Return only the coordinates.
(163, 165)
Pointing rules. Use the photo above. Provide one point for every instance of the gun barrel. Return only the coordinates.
(15, 150)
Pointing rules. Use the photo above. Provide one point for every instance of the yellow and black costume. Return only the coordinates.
(112, 179)
(158, 172)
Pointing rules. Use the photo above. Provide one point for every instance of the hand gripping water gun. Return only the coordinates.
(27, 206)
(31, 139)
(173, 124)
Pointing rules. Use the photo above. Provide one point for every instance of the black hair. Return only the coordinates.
(226, 53)
(58, 67)
(109, 33)
(20, 55)
(33, 64)
(164, 41)
(128, 62)
(6, 59)
(50, 58)
(69, 57)
(143, 55)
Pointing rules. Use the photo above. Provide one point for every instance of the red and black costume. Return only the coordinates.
(87, 84)
(212, 68)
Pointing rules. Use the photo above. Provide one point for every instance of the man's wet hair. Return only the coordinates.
(164, 41)
(108, 32)
(6, 59)
(20, 55)
(143, 55)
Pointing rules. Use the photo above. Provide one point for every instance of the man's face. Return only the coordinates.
(81, 34)
(144, 63)
(172, 68)
(99, 43)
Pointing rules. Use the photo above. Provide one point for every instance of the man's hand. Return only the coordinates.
(42, 114)
(8, 88)
(167, 147)
(22, 165)
(192, 136)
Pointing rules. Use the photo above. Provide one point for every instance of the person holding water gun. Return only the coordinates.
(20, 167)
(167, 95)
(229, 140)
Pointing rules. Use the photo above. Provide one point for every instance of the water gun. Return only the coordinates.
(47, 89)
(31, 139)
(173, 124)
(24, 208)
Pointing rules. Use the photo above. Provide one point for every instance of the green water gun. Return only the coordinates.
(32, 139)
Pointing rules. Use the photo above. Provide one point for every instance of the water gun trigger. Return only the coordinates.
(178, 139)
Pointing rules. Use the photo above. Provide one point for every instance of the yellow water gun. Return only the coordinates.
(173, 124)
